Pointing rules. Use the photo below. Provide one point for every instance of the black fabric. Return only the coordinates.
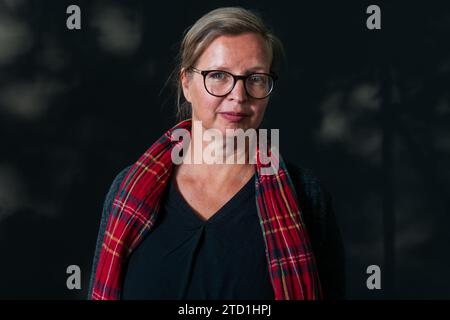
(320, 220)
(186, 257)
(323, 230)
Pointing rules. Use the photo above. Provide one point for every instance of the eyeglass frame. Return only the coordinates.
(236, 78)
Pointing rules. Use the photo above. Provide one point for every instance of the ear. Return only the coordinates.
(185, 83)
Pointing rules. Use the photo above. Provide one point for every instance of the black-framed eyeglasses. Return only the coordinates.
(219, 83)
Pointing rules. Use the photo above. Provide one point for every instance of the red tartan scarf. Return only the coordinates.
(291, 262)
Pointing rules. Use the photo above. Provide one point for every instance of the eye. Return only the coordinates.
(257, 79)
(218, 75)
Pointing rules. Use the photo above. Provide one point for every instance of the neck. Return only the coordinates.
(219, 158)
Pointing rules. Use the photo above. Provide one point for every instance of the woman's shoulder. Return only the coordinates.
(324, 232)
(109, 199)
(119, 177)
(307, 183)
(115, 186)
(315, 202)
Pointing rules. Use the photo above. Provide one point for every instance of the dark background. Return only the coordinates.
(367, 111)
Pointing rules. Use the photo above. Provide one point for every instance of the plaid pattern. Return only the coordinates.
(291, 262)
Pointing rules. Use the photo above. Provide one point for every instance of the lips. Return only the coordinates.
(234, 116)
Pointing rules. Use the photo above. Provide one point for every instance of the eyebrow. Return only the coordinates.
(250, 70)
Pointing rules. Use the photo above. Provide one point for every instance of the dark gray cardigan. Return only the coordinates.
(316, 205)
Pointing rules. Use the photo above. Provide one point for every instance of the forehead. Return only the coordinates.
(244, 51)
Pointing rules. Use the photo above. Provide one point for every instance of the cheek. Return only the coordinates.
(202, 102)
(258, 114)
(260, 109)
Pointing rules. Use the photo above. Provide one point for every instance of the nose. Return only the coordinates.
(238, 93)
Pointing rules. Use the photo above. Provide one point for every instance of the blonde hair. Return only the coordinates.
(218, 22)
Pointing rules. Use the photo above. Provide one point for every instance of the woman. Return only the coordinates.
(213, 230)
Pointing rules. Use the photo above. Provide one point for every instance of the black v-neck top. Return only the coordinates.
(186, 257)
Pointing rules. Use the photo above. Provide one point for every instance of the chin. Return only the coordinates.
(244, 125)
